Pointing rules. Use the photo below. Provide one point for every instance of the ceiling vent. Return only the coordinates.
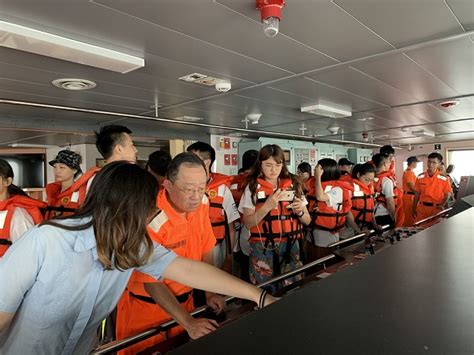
(74, 84)
(326, 111)
(423, 133)
(200, 79)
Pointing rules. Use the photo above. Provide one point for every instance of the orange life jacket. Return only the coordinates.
(280, 224)
(346, 177)
(215, 192)
(67, 202)
(363, 202)
(327, 218)
(237, 186)
(397, 192)
(7, 207)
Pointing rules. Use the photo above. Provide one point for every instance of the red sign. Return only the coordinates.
(235, 159)
(226, 159)
(226, 143)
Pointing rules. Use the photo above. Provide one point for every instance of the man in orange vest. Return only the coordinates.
(409, 191)
(433, 190)
(223, 211)
(345, 166)
(114, 143)
(182, 225)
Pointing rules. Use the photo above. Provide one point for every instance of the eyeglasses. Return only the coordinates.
(190, 191)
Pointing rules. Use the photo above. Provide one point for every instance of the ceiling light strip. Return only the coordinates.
(50, 45)
(167, 120)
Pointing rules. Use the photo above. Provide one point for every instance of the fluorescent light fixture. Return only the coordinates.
(189, 118)
(326, 111)
(28, 145)
(43, 43)
(423, 133)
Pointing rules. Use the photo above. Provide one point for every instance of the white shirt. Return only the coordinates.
(229, 206)
(387, 190)
(324, 238)
(21, 222)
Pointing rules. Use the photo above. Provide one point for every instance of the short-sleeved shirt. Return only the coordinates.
(432, 189)
(229, 205)
(189, 236)
(21, 222)
(387, 191)
(408, 176)
(47, 277)
(323, 238)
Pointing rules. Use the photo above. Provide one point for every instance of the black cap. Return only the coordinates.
(412, 159)
(69, 158)
(344, 161)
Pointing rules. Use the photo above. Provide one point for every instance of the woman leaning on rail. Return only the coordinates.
(62, 278)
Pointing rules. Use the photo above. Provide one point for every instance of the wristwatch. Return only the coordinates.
(300, 214)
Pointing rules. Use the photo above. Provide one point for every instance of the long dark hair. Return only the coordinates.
(272, 151)
(331, 170)
(6, 171)
(120, 201)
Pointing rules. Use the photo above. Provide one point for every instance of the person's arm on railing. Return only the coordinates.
(162, 296)
(205, 277)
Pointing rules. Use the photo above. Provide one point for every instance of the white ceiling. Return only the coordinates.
(392, 60)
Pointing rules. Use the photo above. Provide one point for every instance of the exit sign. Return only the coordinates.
(437, 146)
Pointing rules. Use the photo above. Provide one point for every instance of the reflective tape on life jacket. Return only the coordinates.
(363, 202)
(325, 217)
(7, 209)
(215, 191)
(379, 196)
(280, 223)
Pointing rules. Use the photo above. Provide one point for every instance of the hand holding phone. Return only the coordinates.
(287, 195)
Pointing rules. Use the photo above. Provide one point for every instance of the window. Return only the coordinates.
(462, 161)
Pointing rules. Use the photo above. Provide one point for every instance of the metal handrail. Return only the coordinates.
(116, 345)
(439, 214)
(355, 237)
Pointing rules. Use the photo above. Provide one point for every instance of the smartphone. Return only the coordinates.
(288, 195)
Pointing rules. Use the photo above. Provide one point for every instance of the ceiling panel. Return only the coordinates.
(464, 11)
(310, 22)
(315, 92)
(402, 73)
(351, 80)
(222, 27)
(404, 22)
(457, 71)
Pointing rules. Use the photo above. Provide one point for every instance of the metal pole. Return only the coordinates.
(358, 236)
(439, 214)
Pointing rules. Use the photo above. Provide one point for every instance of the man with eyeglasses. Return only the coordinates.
(182, 224)
(223, 211)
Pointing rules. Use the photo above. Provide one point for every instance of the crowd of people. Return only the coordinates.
(143, 242)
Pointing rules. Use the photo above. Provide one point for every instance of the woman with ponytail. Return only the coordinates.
(18, 212)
